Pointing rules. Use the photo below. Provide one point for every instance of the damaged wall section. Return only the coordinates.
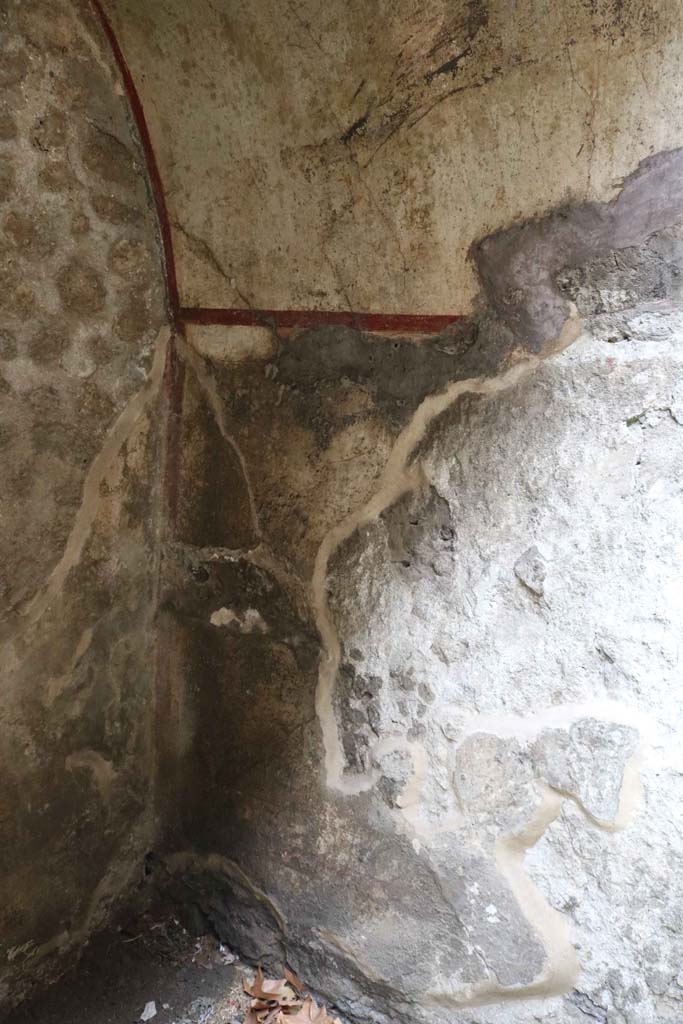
(438, 642)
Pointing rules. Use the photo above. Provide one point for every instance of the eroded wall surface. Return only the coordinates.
(534, 577)
(82, 309)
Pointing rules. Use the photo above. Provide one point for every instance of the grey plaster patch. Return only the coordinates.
(494, 781)
(624, 278)
(588, 761)
(520, 266)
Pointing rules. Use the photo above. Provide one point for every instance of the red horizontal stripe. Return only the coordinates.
(404, 323)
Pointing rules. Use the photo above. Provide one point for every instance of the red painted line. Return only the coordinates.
(406, 323)
(403, 323)
(150, 159)
(174, 386)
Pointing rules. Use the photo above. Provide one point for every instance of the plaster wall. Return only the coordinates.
(82, 348)
(427, 662)
(465, 805)
(414, 601)
(346, 155)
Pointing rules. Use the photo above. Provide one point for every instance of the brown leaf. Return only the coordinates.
(310, 1013)
(275, 1002)
(268, 1004)
(271, 990)
(274, 1016)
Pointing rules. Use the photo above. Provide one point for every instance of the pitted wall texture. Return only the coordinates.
(432, 665)
(534, 579)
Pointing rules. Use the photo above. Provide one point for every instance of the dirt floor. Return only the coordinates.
(154, 960)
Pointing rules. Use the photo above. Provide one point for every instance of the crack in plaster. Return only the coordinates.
(99, 469)
(397, 479)
(208, 386)
(201, 248)
(409, 124)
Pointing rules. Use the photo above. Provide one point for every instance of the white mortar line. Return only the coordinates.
(99, 469)
(209, 387)
(397, 478)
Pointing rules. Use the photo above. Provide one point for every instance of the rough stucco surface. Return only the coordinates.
(346, 155)
(424, 664)
(81, 306)
(430, 663)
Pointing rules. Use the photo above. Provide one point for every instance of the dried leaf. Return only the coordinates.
(274, 1016)
(311, 1013)
(271, 990)
(279, 1002)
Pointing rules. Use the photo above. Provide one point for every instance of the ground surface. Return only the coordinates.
(190, 980)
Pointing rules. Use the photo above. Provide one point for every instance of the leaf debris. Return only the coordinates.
(283, 1001)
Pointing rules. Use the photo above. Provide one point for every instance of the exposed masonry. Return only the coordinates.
(572, 246)
(398, 768)
(555, 976)
(366, 573)
(520, 267)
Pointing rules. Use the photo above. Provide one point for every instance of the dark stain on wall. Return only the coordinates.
(519, 266)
